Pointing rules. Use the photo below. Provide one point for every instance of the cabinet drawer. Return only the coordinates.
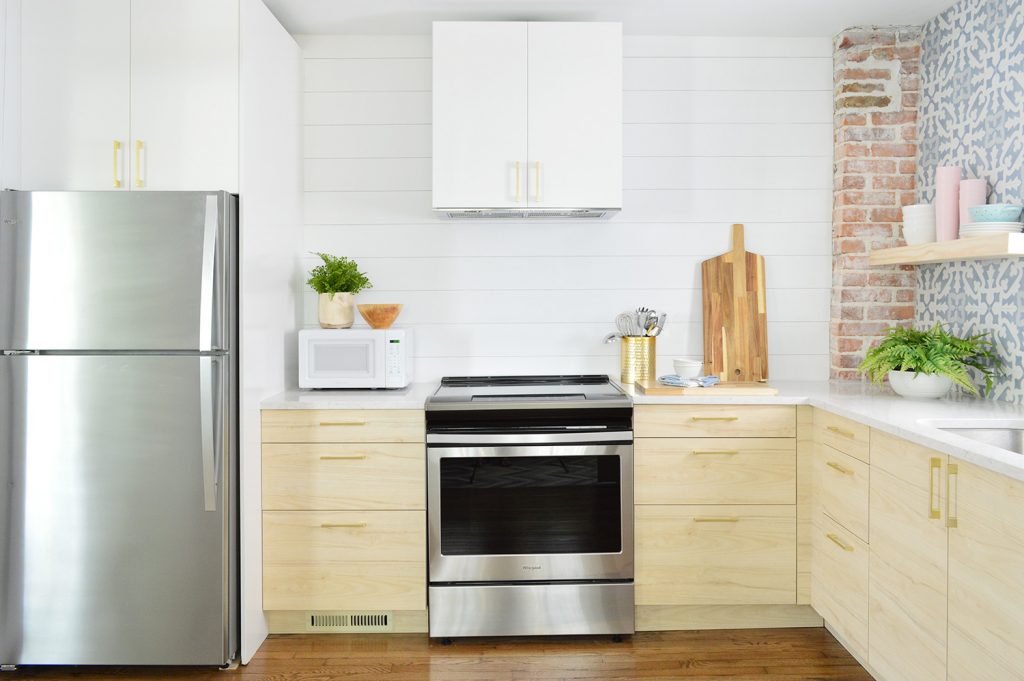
(715, 470)
(839, 582)
(342, 477)
(841, 486)
(715, 555)
(344, 560)
(678, 420)
(840, 433)
(363, 425)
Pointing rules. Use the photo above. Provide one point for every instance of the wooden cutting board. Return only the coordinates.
(730, 388)
(735, 319)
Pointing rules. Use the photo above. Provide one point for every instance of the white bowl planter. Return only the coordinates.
(919, 386)
(335, 310)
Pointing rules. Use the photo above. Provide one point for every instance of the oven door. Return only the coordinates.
(544, 512)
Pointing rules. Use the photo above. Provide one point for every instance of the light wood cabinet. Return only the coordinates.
(363, 425)
(843, 434)
(685, 420)
(722, 555)
(839, 582)
(841, 485)
(907, 620)
(986, 575)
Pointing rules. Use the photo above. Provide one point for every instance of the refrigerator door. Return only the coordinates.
(116, 510)
(116, 270)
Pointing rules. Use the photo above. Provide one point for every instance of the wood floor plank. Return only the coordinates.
(735, 655)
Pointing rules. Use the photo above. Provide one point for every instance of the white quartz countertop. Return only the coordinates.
(914, 420)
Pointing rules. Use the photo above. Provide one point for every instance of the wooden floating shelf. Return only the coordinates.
(974, 248)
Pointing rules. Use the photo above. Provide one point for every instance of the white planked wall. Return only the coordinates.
(716, 131)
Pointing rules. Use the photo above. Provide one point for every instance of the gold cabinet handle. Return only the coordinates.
(536, 181)
(355, 457)
(842, 469)
(331, 526)
(117, 154)
(839, 431)
(934, 500)
(712, 452)
(342, 423)
(139, 146)
(839, 542)
(714, 418)
(716, 519)
(952, 490)
(518, 189)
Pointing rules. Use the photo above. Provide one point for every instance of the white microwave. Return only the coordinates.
(355, 358)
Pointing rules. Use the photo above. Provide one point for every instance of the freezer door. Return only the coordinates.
(116, 270)
(116, 545)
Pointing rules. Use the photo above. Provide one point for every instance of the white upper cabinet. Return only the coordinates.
(575, 114)
(184, 94)
(128, 94)
(527, 115)
(74, 94)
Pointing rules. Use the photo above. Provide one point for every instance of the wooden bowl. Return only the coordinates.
(381, 315)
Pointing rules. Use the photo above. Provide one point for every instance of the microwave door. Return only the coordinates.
(338, 362)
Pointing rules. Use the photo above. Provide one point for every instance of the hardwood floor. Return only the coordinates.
(738, 655)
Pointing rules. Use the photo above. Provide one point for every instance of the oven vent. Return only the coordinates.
(349, 622)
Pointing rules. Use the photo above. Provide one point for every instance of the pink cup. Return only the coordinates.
(947, 202)
(972, 193)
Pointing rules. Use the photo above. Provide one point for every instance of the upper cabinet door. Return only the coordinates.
(479, 121)
(184, 94)
(575, 114)
(74, 94)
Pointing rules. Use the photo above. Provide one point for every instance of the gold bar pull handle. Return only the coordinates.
(839, 542)
(117, 155)
(139, 146)
(952, 482)
(842, 469)
(934, 498)
(839, 431)
(712, 452)
(714, 418)
(518, 188)
(716, 519)
(331, 526)
(536, 181)
(342, 423)
(355, 457)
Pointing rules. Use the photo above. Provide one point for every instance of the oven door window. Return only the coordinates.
(530, 505)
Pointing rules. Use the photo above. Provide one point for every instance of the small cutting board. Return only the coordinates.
(735, 319)
(732, 388)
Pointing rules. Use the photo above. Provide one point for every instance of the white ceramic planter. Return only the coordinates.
(336, 310)
(919, 386)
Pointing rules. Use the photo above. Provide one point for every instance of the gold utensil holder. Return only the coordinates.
(638, 359)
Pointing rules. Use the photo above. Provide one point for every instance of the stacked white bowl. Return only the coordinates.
(919, 223)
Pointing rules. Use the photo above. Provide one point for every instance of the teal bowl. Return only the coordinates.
(997, 212)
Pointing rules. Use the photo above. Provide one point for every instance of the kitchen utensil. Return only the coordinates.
(611, 338)
(735, 319)
(997, 212)
(624, 323)
(638, 359)
(731, 388)
(687, 368)
(380, 315)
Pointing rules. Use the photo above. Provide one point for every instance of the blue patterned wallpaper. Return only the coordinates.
(972, 115)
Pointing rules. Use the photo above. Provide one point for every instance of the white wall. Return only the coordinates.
(716, 131)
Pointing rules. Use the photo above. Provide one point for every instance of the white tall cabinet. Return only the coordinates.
(527, 115)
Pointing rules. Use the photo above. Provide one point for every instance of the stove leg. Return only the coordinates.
(446, 641)
(617, 638)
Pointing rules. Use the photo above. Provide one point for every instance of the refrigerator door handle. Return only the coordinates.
(206, 311)
(207, 433)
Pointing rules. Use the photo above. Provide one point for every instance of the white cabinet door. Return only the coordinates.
(74, 94)
(479, 118)
(575, 114)
(184, 94)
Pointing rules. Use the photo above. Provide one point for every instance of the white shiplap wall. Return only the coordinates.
(716, 131)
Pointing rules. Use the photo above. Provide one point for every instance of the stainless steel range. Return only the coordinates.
(530, 506)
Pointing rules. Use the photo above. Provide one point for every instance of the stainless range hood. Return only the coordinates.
(524, 213)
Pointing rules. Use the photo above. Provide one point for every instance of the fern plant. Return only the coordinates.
(337, 275)
(933, 352)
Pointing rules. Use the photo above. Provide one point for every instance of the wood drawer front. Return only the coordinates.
(715, 555)
(342, 477)
(841, 486)
(686, 420)
(363, 425)
(911, 463)
(344, 560)
(715, 470)
(840, 433)
(839, 582)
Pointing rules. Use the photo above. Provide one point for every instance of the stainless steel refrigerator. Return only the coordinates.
(118, 428)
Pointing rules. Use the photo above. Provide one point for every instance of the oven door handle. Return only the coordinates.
(528, 438)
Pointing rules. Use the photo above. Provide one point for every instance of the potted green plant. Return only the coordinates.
(926, 364)
(337, 281)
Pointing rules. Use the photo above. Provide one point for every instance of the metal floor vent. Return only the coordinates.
(349, 622)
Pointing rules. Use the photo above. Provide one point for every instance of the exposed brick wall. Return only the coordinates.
(877, 83)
